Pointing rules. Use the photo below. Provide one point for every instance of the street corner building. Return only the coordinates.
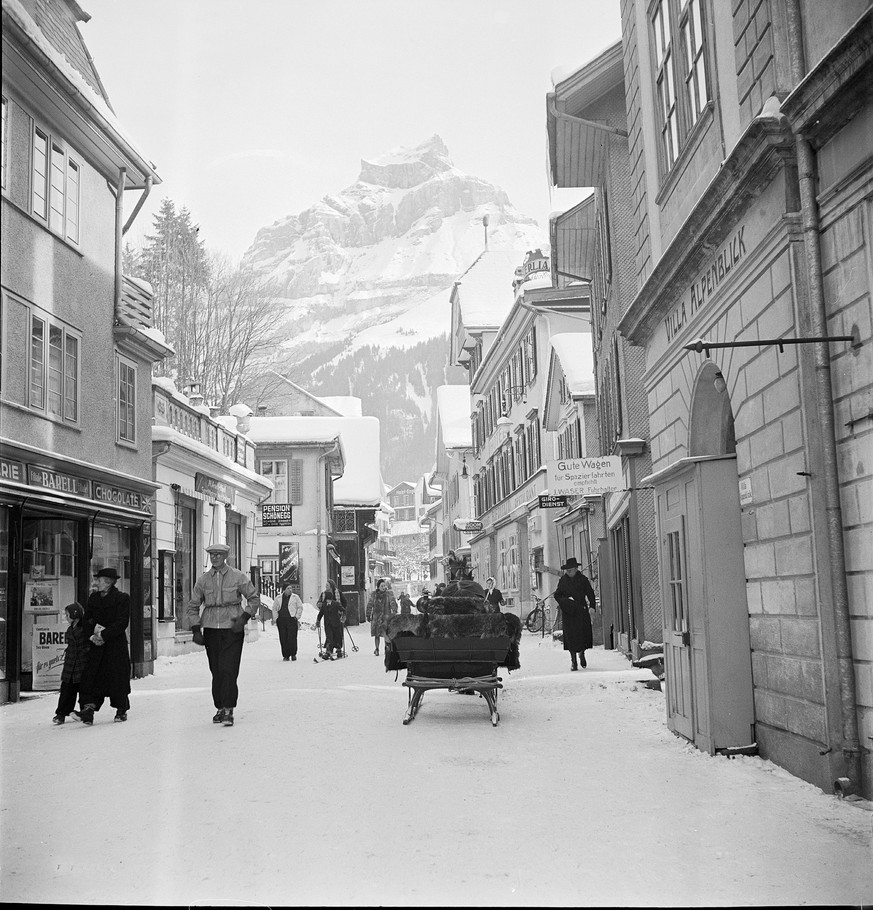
(78, 346)
(745, 142)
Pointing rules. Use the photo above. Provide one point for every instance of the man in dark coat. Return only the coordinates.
(107, 668)
(575, 597)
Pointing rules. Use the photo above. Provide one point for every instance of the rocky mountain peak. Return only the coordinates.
(402, 168)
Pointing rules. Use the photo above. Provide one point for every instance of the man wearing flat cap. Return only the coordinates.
(107, 667)
(221, 625)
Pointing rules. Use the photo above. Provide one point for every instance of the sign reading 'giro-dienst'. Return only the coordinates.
(585, 476)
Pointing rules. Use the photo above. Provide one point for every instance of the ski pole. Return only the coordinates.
(354, 646)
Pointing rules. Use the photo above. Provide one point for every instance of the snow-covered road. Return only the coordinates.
(320, 795)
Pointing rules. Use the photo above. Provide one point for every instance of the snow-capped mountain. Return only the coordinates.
(364, 277)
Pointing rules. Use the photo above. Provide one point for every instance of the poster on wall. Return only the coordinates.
(48, 655)
(347, 576)
(289, 564)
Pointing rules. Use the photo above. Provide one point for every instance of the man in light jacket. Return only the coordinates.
(287, 610)
(221, 627)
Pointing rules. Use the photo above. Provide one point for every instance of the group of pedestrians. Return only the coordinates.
(97, 658)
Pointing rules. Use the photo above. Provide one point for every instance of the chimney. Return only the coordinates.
(485, 225)
(242, 413)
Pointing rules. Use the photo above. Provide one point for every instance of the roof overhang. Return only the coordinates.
(573, 236)
(577, 145)
(52, 94)
(837, 87)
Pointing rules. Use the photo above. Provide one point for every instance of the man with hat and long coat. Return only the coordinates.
(575, 596)
(107, 667)
(221, 626)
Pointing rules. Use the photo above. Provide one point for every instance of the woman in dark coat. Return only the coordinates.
(575, 596)
(380, 607)
(107, 669)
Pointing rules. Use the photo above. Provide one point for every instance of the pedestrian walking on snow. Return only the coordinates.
(330, 609)
(493, 596)
(575, 597)
(380, 606)
(221, 626)
(75, 657)
(107, 666)
(287, 610)
(405, 603)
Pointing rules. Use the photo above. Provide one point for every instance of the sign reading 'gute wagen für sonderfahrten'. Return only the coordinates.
(585, 476)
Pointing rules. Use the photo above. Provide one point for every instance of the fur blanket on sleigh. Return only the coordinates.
(454, 617)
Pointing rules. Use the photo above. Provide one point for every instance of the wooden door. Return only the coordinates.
(677, 631)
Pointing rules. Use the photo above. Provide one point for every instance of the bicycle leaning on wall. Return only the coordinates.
(540, 617)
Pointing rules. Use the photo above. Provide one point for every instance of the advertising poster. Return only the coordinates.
(289, 564)
(347, 576)
(48, 655)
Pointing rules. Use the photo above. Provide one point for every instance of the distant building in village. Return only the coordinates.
(78, 345)
(593, 242)
(451, 474)
(504, 312)
(208, 492)
(319, 521)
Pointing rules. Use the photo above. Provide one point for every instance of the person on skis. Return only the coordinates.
(330, 609)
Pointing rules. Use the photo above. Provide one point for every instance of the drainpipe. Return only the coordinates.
(319, 473)
(119, 214)
(806, 167)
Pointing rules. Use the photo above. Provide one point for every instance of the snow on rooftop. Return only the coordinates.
(346, 405)
(484, 292)
(453, 409)
(576, 356)
(361, 483)
(25, 22)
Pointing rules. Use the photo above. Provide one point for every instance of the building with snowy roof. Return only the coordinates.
(76, 477)
(320, 517)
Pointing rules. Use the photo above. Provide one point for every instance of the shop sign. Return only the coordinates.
(553, 502)
(467, 525)
(275, 514)
(58, 482)
(585, 476)
(48, 655)
(12, 470)
(117, 496)
(218, 489)
(745, 487)
(289, 564)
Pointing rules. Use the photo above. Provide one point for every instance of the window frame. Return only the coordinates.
(669, 64)
(67, 333)
(123, 363)
(58, 158)
(4, 142)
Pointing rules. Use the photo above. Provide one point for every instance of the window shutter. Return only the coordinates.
(296, 481)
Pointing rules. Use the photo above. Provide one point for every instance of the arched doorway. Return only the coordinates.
(706, 623)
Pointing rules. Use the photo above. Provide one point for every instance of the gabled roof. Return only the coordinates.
(361, 482)
(484, 294)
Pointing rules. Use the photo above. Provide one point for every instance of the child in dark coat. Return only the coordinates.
(331, 610)
(74, 662)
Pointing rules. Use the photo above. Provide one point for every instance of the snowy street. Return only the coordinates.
(319, 795)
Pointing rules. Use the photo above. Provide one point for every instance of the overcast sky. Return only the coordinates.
(254, 110)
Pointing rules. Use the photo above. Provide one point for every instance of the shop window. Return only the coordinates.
(186, 555)
(514, 571)
(49, 569)
(504, 566)
(4, 140)
(4, 583)
(681, 86)
(54, 369)
(55, 182)
(235, 540)
(126, 400)
(110, 548)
